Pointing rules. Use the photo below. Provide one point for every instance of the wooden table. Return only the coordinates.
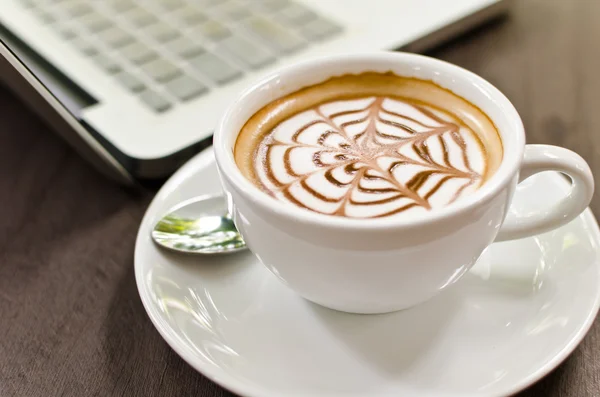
(71, 320)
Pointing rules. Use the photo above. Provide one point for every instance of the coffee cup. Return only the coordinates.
(387, 264)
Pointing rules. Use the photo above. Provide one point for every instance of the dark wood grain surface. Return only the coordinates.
(71, 321)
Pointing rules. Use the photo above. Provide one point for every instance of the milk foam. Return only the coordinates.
(369, 145)
(371, 157)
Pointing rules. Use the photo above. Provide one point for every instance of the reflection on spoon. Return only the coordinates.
(200, 225)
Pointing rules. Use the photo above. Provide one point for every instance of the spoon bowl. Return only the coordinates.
(200, 225)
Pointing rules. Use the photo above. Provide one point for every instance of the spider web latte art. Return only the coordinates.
(370, 157)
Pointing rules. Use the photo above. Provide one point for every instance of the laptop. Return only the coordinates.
(137, 86)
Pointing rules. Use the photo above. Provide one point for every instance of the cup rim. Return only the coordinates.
(509, 165)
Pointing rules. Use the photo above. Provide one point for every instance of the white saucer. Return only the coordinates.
(521, 310)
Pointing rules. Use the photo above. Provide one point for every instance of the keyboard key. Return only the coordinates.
(184, 47)
(94, 22)
(137, 53)
(140, 17)
(66, 32)
(75, 8)
(84, 46)
(212, 30)
(274, 35)
(27, 3)
(189, 16)
(115, 37)
(215, 68)
(234, 11)
(106, 63)
(45, 16)
(295, 14)
(160, 70)
(185, 87)
(248, 53)
(319, 28)
(161, 32)
(207, 2)
(170, 4)
(130, 82)
(120, 5)
(270, 5)
(155, 101)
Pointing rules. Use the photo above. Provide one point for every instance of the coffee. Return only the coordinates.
(369, 145)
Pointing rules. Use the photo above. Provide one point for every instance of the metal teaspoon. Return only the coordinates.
(200, 225)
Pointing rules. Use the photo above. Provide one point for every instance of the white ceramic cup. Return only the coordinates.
(382, 265)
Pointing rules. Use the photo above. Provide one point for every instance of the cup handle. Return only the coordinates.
(540, 158)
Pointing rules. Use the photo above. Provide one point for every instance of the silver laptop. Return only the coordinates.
(137, 86)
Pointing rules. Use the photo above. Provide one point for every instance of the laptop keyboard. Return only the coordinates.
(171, 51)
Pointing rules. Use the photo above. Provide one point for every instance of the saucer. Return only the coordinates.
(514, 317)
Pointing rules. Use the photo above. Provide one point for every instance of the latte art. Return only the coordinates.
(370, 156)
